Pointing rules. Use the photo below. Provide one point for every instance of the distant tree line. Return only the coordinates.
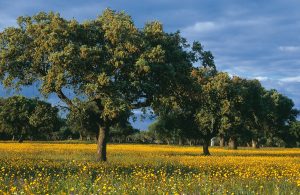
(23, 118)
(233, 111)
(111, 67)
(266, 118)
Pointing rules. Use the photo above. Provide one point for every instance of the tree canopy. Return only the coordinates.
(20, 117)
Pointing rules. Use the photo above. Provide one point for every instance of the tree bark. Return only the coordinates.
(205, 147)
(233, 143)
(101, 144)
(255, 143)
(222, 141)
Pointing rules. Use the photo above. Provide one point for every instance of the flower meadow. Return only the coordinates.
(68, 168)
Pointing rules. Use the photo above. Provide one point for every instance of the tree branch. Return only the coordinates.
(64, 98)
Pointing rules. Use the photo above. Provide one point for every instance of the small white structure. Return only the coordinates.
(213, 141)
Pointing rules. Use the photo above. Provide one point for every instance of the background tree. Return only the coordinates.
(44, 120)
(4, 134)
(208, 105)
(181, 115)
(83, 119)
(294, 134)
(280, 114)
(121, 131)
(65, 131)
(254, 112)
(20, 117)
(14, 116)
(172, 127)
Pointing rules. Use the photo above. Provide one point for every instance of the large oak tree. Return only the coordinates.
(107, 61)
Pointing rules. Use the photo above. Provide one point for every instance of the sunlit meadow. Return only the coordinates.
(44, 168)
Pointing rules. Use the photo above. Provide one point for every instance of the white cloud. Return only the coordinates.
(200, 27)
(210, 28)
(289, 48)
(261, 78)
(290, 79)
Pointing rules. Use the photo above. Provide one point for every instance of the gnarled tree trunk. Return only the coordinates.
(232, 143)
(205, 147)
(101, 143)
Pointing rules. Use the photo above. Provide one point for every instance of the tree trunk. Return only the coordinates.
(180, 141)
(233, 143)
(255, 143)
(168, 142)
(21, 139)
(205, 147)
(101, 144)
(222, 141)
(13, 138)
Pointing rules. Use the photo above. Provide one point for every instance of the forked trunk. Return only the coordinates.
(233, 143)
(255, 143)
(101, 144)
(205, 147)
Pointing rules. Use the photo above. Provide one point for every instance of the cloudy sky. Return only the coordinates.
(253, 39)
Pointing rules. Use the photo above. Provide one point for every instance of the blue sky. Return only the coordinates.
(253, 39)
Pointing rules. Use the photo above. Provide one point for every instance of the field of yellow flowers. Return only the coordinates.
(45, 168)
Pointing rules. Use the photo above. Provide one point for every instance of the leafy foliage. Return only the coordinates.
(20, 116)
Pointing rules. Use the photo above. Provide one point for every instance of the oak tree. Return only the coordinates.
(107, 61)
